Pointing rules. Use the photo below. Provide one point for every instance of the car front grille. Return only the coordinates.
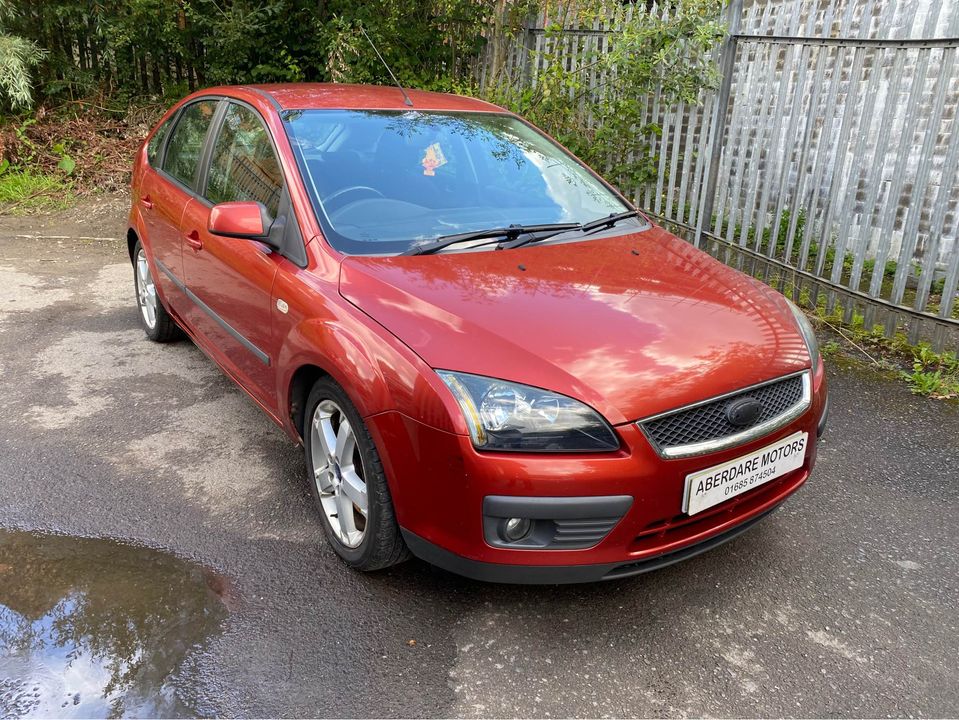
(705, 427)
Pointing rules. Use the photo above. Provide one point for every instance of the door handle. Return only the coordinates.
(193, 240)
(146, 202)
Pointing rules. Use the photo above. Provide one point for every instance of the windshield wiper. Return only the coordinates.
(608, 221)
(510, 233)
(513, 234)
(585, 228)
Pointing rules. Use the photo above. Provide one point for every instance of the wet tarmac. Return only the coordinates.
(98, 628)
(842, 604)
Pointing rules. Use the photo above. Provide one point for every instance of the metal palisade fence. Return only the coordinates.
(826, 161)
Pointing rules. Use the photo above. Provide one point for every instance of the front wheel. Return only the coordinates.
(155, 320)
(348, 482)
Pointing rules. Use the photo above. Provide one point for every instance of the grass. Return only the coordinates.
(25, 191)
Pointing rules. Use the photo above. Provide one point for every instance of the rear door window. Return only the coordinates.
(243, 165)
(186, 143)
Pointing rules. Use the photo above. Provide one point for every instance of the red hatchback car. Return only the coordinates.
(492, 360)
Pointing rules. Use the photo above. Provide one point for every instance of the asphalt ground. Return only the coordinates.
(843, 603)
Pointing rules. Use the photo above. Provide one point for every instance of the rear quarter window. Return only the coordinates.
(156, 142)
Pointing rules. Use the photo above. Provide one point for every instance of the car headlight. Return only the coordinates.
(507, 416)
(809, 335)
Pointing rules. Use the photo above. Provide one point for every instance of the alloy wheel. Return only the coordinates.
(146, 291)
(338, 473)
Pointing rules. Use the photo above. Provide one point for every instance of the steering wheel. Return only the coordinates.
(329, 200)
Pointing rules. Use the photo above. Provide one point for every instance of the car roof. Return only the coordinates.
(342, 96)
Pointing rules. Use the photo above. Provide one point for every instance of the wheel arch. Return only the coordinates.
(302, 381)
(315, 349)
(376, 371)
(132, 238)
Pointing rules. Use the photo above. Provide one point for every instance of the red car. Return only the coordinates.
(492, 360)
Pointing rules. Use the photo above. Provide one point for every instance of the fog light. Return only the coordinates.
(516, 529)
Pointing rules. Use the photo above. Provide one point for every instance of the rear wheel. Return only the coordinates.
(155, 320)
(348, 482)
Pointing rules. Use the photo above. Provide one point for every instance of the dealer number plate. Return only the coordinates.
(719, 483)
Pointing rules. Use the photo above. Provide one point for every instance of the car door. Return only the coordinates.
(167, 189)
(161, 214)
(231, 279)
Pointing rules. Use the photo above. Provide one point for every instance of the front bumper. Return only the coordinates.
(564, 574)
(443, 491)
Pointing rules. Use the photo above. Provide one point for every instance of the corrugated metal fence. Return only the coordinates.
(826, 162)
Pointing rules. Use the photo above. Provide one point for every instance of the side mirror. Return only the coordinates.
(247, 220)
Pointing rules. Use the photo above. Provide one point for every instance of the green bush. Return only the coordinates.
(655, 57)
(128, 49)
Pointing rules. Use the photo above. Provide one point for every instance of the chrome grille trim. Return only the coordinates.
(722, 443)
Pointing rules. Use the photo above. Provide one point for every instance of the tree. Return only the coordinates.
(18, 56)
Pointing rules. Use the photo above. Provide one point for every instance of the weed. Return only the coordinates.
(25, 191)
(933, 374)
(932, 384)
(830, 348)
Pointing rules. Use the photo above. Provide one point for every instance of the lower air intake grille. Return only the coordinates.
(583, 533)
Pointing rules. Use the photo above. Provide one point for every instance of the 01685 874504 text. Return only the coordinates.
(721, 482)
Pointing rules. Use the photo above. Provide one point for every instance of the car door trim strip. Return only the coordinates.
(260, 355)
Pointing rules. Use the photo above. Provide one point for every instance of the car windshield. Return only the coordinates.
(384, 182)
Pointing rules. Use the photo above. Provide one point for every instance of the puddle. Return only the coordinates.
(96, 628)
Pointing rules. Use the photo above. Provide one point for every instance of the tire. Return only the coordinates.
(154, 319)
(365, 542)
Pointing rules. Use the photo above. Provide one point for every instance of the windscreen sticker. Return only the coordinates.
(432, 159)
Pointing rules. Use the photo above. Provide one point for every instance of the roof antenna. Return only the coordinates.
(406, 98)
